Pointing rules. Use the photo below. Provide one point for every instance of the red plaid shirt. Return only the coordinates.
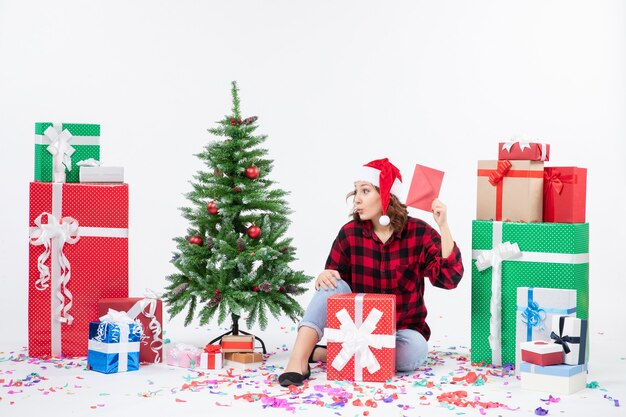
(398, 266)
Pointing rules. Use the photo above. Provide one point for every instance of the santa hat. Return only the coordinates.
(386, 176)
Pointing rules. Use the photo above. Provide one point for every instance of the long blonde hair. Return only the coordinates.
(397, 212)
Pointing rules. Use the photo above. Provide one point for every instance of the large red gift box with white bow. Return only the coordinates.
(361, 337)
(78, 255)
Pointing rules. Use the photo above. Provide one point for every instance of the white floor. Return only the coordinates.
(30, 387)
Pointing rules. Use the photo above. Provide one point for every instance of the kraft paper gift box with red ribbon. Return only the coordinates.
(212, 357)
(511, 255)
(238, 343)
(361, 337)
(60, 146)
(560, 379)
(542, 353)
(78, 255)
(536, 308)
(183, 355)
(564, 194)
(114, 343)
(571, 334)
(524, 151)
(149, 311)
(510, 191)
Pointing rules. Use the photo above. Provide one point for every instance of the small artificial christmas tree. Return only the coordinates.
(235, 258)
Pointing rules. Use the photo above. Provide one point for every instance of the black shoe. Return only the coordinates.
(294, 378)
(313, 351)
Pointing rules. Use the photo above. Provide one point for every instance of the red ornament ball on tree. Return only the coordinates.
(217, 291)
(212, 207)
(256, 288)
(254, 231)
(252, 172)
(196, 240)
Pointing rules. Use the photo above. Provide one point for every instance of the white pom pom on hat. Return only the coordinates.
(386, 176)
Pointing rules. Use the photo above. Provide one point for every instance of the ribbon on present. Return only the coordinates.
(534, 315)
(553, 184)
(60, 149)
(150, 301)
(118, 325)
(564, 340)
(209, 348)
(497, 176)
(493, 258)
(53, 235)
(356, 339)
(90, 162)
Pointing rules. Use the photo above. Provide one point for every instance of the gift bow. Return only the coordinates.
(117, 317)
(53, 235)
(60, 149)
(503, 167)
(209, 348)
(89, 163)
(522, 145)
(504, 251)
(357, 340)
(533, 315)
(564, 340)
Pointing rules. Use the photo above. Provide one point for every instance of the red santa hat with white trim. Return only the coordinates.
(386, 176)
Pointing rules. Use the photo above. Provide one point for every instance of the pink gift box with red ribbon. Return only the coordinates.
(361, 337)
(78, 254)
(564, 194)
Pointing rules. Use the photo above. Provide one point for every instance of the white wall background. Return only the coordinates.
(335, 84)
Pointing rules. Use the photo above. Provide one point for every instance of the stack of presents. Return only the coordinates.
(78, 303)
(530, 269)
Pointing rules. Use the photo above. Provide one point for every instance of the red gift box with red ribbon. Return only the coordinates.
(524, 151)
(149, 311)
(510, 191)
(564, 194)
(361, 337)
(78, 254)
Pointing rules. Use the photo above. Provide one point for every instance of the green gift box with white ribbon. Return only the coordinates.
(60, 146)
(507, 255)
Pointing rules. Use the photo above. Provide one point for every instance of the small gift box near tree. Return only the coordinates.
(235, 257)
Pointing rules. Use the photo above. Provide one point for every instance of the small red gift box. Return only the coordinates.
(149, 311)
(564, 194)
(239, 343)
(78, 255)
(542, 353)
(524, 151)
(212, 357)
(361, 337)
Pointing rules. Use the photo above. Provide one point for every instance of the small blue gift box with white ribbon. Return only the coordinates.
(114, 344)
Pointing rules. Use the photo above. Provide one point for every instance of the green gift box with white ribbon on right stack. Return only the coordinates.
(60, 146)
(507, 255)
